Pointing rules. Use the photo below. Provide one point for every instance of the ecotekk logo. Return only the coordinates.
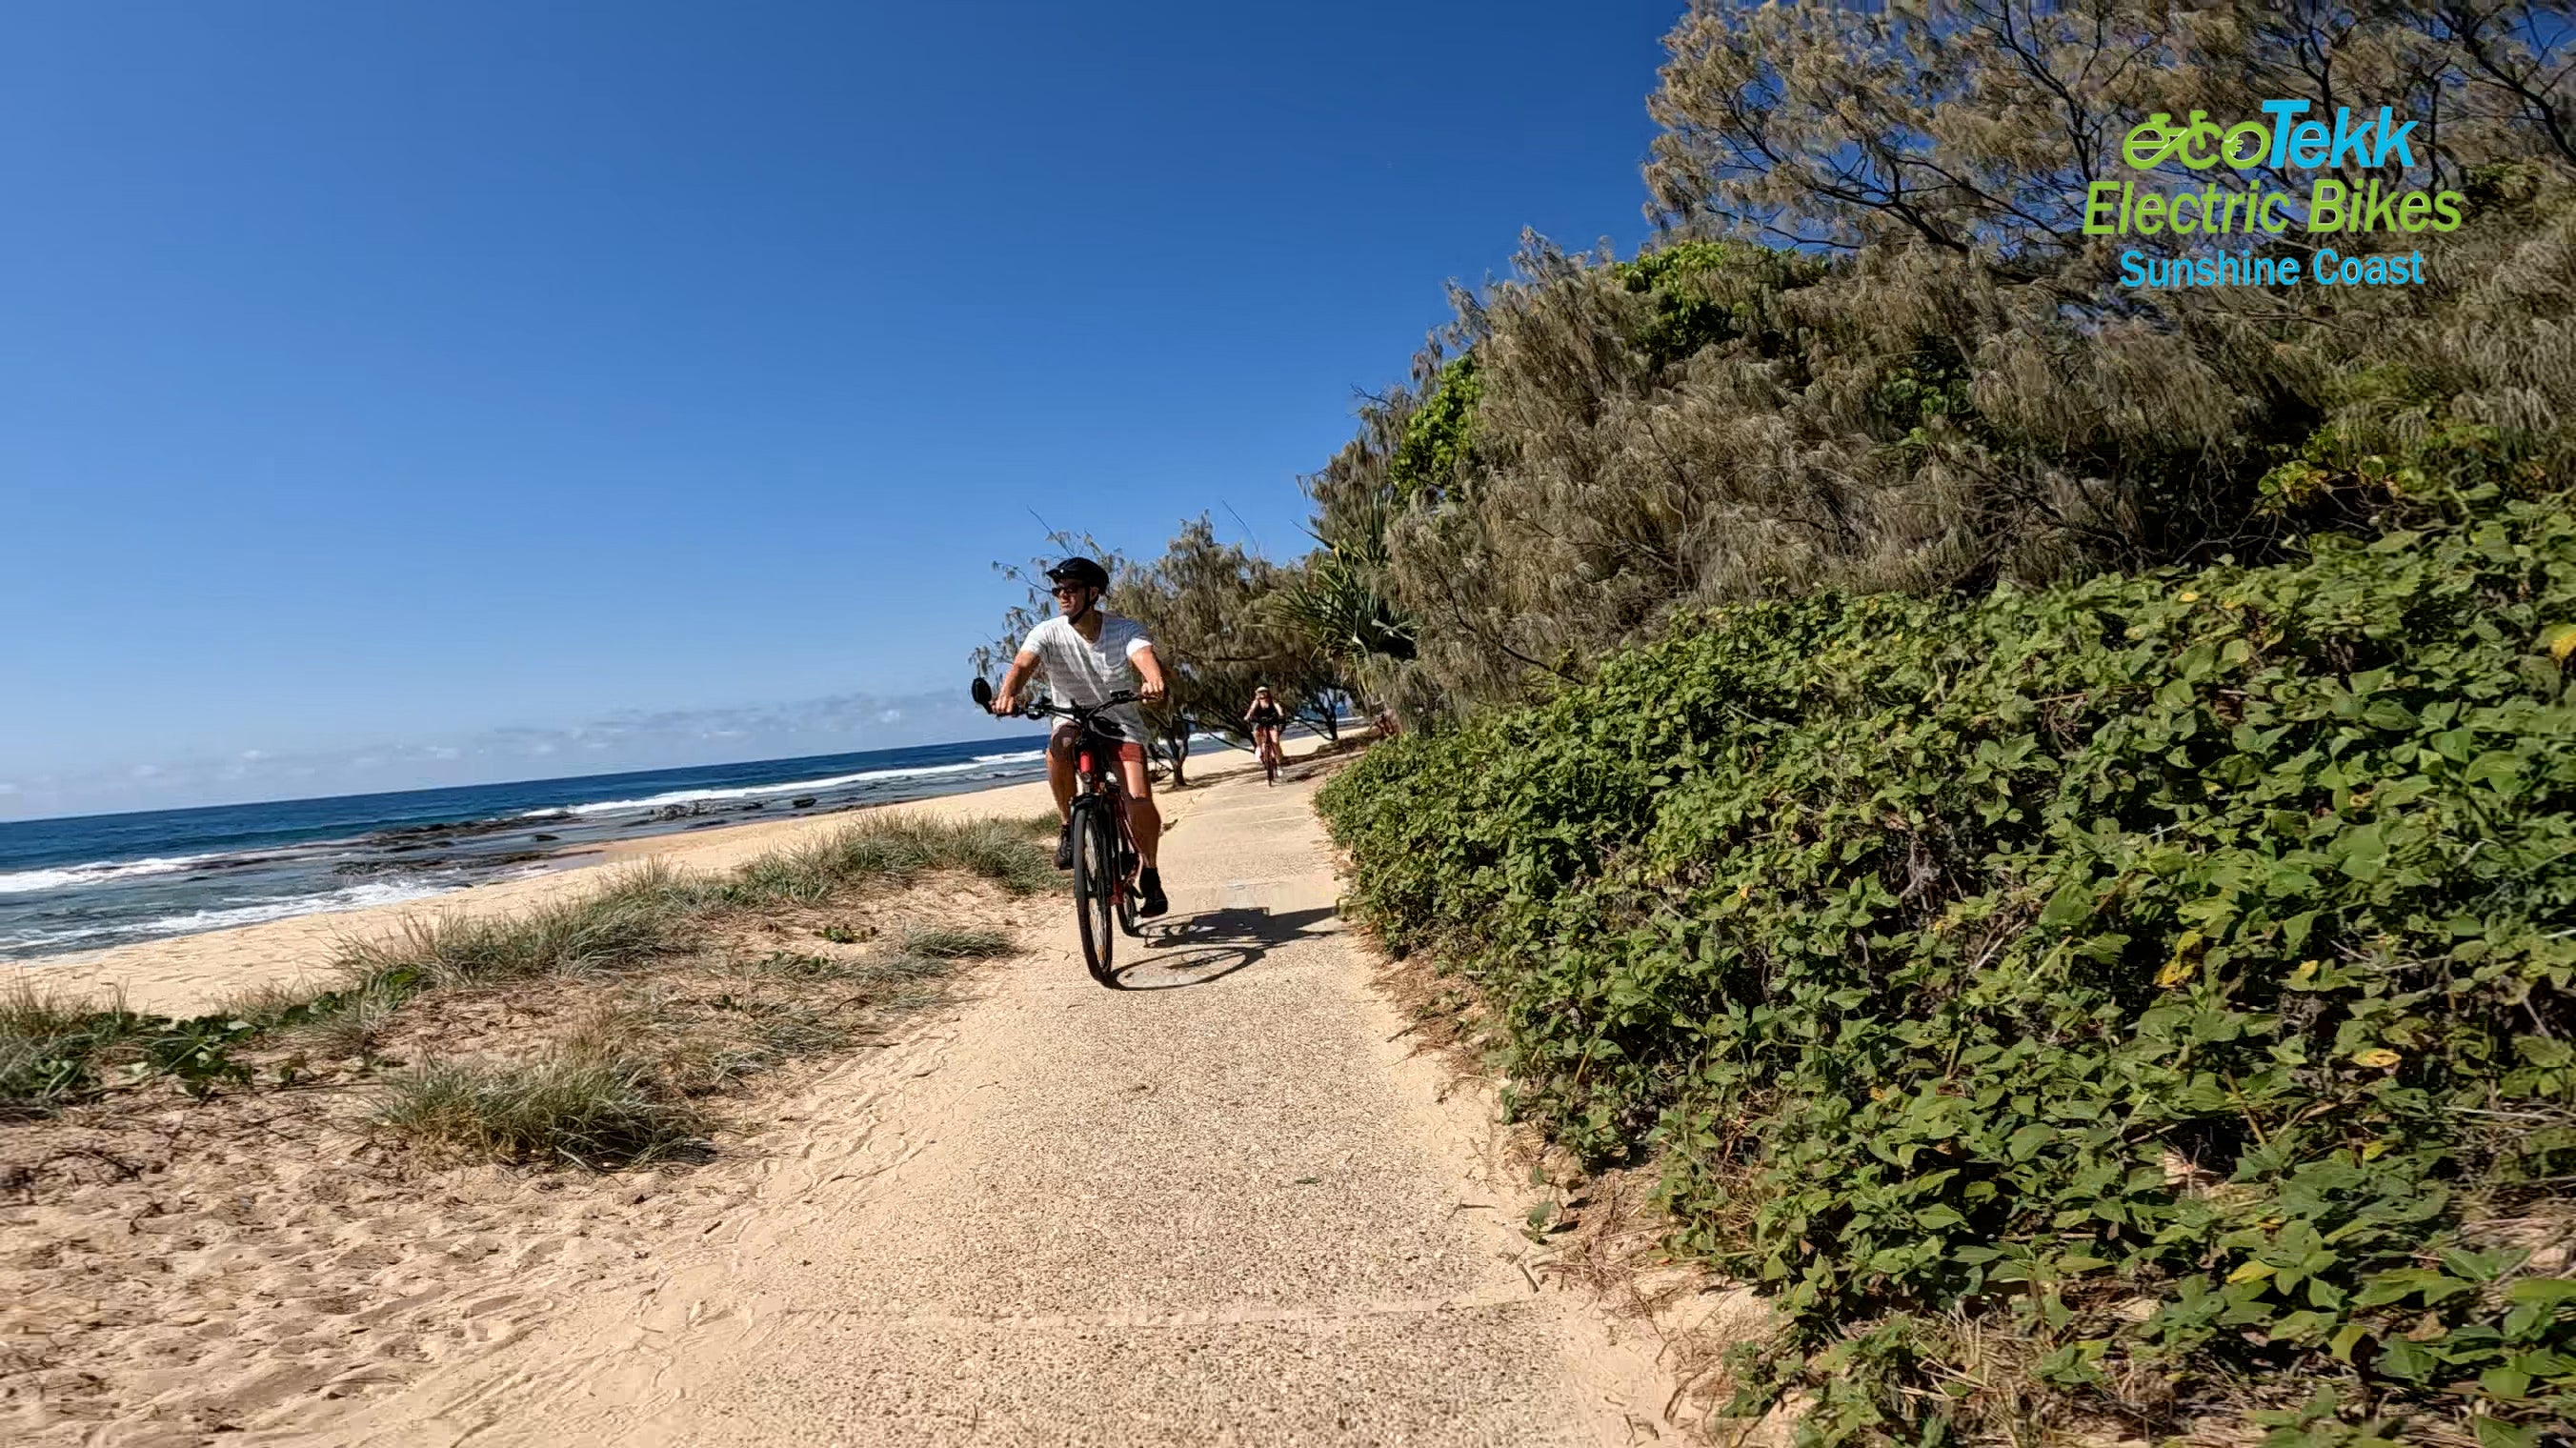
(2286, 140)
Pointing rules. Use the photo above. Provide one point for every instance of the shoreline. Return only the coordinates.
(184, 975)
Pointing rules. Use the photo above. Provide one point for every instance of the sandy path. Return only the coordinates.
(1216, 1207)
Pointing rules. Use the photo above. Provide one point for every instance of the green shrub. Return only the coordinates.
(57, 1049)
(2195, 937)
(50, 1045)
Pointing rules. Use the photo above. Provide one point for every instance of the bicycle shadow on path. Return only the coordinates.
(1213, 944)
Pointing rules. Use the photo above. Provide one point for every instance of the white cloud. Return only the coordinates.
(638, 739)
(7, 788)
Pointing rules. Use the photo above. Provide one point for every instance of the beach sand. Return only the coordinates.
(188, 974)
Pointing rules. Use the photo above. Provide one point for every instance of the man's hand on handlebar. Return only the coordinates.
(1150, 691)
(1014, 704)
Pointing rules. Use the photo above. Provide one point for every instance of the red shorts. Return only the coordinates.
(1061, 744)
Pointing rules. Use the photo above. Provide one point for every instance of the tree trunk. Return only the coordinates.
(1176, 750)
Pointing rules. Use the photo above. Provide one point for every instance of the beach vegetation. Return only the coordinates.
(53, 1043)
(911, 963)
(2038, 810)
(2155, 986)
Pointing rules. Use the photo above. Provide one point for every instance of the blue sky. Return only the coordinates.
(388, 383)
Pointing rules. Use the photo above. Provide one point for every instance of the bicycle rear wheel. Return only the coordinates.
(1095, 882)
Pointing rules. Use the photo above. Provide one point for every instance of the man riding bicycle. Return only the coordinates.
(1085, 655)
(1265, 718)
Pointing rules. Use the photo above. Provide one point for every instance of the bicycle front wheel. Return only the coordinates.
(1095, 886)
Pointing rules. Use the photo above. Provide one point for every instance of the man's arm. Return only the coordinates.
(1150, 669)
(1006, 700)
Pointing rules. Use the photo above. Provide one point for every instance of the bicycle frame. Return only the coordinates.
(1096, 777)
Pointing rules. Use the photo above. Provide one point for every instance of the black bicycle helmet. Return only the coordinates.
(1079, 570)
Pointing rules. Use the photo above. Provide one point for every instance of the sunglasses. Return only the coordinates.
(1062, 589)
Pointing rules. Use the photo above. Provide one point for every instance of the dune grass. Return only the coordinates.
(952, 942)
(578, 1106)
(639, 914)
(895, 850)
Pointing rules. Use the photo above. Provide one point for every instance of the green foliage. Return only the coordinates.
(1439, 437)
(56, 1050)
(895, 849)
(2195, 943)
(50, 1045)
(1710, 292)
(1334, 602)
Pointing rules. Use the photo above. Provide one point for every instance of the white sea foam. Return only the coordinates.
(218, 917)
(806, 786)
(352, 897)
(69, 877)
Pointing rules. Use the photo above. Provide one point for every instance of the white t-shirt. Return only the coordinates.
(1078, 670)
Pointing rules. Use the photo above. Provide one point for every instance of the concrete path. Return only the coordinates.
(1215, 1206)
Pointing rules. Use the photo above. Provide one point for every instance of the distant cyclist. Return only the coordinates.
(1265, 718)
(1085, 655)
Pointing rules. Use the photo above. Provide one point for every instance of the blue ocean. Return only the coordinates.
(101, 880)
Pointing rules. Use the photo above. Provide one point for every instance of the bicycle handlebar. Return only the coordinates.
(1076, 712)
